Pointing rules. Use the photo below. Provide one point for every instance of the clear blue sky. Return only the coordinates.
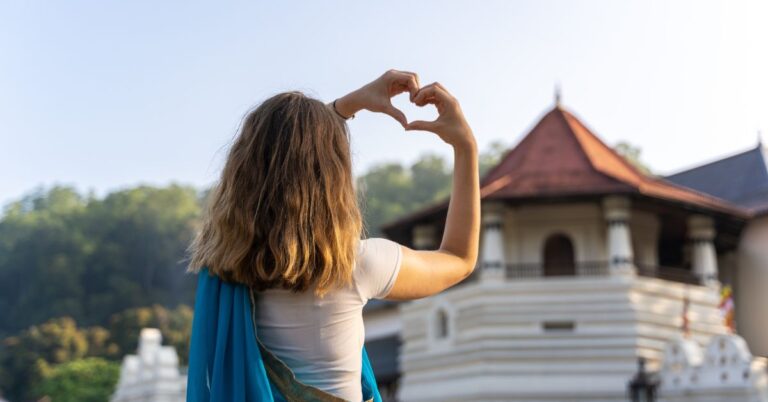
(108, 94)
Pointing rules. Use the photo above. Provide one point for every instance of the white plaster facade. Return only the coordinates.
(503, 337)
(565, 339)
(751, 284)
(382, 323)
(527, 227)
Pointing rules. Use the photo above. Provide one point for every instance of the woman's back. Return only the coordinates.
(320, 338)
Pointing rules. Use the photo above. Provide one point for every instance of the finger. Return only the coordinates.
(441, 92)
(426, 100)
(433, 93)
(406, 81)
(422, 125)
(424, 93)
(396, 114)
(398, 72)
(413, 86)
(412, 82)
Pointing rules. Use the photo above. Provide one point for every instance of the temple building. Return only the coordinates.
(587, 264)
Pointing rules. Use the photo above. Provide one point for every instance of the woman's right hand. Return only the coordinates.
(376, 96)
(427, 272)
(450, 125)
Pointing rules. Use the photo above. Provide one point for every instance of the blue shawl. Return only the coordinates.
(225, 363)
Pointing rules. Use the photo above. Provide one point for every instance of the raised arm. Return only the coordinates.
(376, 96)
(427, 272)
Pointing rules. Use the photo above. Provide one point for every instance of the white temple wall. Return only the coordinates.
(382, 323)
(526, 228)
(751, 297)
(549, 339)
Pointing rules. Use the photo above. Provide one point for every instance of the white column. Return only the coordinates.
(492, 260)
(616, 210)
(701, 233)
(424, 237)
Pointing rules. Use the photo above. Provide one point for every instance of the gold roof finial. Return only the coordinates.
(558, 94)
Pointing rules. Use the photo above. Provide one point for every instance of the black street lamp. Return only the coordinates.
(643, 386)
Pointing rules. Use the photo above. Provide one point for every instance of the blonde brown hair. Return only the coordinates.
(284, 213)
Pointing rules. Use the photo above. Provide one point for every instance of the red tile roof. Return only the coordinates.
(561, 157)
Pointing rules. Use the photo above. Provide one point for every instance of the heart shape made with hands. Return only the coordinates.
(412, 111)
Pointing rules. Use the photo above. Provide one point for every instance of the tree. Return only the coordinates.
(492, 156)
(385, 192)
(390, 190)
(632, 155)
(430, 180)
(175, 325)
(42, 256)
(68, 258)
(143, 234)
(89, 258)
(84, 380)
(27, 355)
(27, 358)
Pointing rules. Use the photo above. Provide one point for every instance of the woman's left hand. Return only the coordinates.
(376, 96)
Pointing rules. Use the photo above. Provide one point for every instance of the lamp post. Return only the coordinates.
(643, 386)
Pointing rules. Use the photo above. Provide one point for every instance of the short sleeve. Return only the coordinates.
(378, 265)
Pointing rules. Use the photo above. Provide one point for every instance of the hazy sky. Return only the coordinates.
(108, 94)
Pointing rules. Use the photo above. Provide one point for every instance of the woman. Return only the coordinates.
(284, 223)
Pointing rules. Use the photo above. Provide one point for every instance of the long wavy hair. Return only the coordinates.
(284, 213)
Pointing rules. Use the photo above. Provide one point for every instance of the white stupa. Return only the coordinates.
(152, 374)
(726, 371)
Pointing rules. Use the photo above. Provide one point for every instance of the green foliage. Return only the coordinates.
(84, 259)
(28, 357)
(83, 380)
(385, 190)
(175, 325)
(391, 190)
(43, 253)
(143, 235)
(492, 156)
(89, 258)
(28, 354)
(632, 154)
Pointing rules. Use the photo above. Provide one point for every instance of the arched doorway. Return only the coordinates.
(559, 258)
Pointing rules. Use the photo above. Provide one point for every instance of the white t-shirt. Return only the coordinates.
(321, 339)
